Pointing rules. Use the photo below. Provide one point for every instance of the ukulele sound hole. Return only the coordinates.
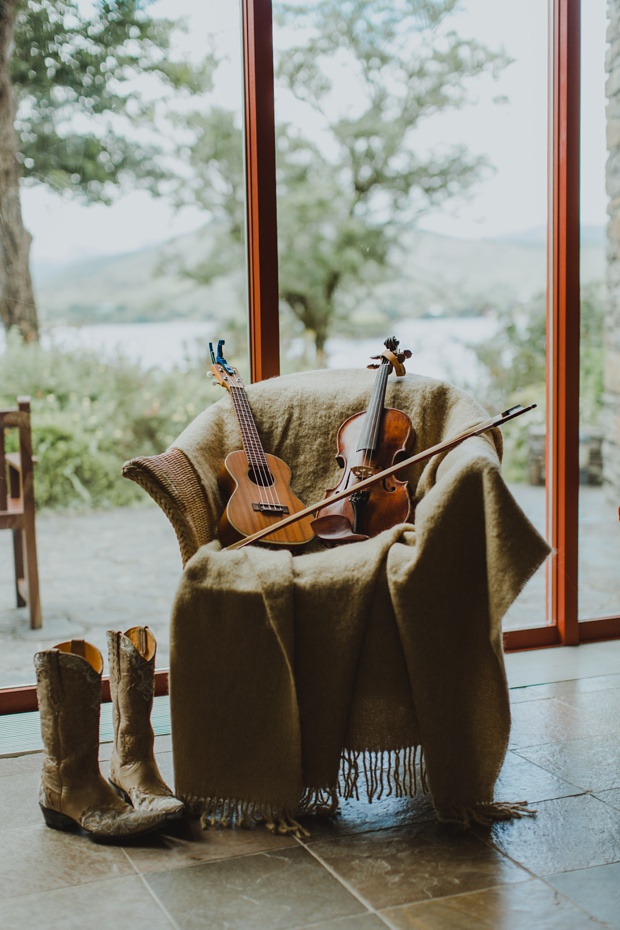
(261, 476)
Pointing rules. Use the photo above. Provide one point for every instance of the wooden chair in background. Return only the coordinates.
(17, 506)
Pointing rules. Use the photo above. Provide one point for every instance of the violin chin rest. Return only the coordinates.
(335, 529)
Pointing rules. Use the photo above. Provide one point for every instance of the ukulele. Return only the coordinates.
(255, 484)
(367, 443)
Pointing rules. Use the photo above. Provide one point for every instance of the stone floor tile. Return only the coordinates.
(560, 689)
(21, 765)
(596, 890)
(37, 859)
(562, 663)
(565, 834)
(361, 816)
(186, 843)
(123, 903)
(23, 809)
(611, 797)
(165, 763)
(269, 891)
(536, 723)
(592, 764)
(604, 705)
(408, 864)
(359, 922)
(529, 905)
(521, 779)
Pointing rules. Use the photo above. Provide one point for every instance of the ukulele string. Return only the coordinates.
(259, 465)
(257, 461)
(247, 439)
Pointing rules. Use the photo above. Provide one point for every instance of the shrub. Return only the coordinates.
(90, 415)
(514, 367)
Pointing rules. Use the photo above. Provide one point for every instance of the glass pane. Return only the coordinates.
(599, 425)
(412, 200)
(132, 191)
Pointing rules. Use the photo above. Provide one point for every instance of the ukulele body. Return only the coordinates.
(255, 501)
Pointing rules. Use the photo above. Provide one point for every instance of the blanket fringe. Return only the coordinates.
(230, 812)
(400, 773)
(485, 813)
(322, 802)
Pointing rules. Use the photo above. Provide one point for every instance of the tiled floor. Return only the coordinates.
(389, 864)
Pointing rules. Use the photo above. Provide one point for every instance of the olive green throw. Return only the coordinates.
(375, 666)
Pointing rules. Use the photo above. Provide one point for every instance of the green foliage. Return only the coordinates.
(514, 365)
(342, 204)
(89, 416)
(84, 81)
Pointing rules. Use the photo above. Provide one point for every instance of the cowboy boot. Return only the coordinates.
(133, 769)
(73, 794)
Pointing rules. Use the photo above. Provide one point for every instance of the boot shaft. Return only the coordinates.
(69, 696)
(132, 686)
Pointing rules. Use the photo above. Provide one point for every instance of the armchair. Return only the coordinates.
(376, 666)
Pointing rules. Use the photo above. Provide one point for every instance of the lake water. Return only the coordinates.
(440, 347)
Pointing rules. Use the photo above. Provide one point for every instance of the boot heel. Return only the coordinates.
(58, 821)
(122, 794)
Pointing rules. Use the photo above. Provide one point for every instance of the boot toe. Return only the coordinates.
(165, 804)
(111, 824)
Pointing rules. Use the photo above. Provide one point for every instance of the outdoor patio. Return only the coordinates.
(116, 569)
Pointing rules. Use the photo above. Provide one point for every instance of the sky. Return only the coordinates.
(513, 136)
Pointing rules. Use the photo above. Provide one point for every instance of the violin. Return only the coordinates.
(368, 443)
(492, 423)
(255, 484)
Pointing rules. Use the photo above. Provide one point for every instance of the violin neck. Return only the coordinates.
(369, 436)
(252, 445)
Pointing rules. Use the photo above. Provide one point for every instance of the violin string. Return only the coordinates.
(371, 426)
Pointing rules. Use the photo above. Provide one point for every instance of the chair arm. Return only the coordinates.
(172, 482)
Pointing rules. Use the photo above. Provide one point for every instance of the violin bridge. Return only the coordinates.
(270, 508)
(362, 471)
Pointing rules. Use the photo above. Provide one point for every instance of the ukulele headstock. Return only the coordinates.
(392, 357)
(224, 374)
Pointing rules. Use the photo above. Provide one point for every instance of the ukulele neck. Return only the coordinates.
(369, 436)
(252, 445)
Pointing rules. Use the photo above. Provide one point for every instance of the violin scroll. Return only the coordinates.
(366, 443)
(392, 357)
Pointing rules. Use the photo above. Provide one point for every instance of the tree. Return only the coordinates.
(514, 369)
(78, 114)
(345, 194)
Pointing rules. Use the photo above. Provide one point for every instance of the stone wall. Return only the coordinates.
(611, 398)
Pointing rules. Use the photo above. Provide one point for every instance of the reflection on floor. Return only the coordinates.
(388, 864)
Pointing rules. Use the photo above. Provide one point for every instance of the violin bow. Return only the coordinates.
(492, 422)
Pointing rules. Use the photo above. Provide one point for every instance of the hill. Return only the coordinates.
(434, 275)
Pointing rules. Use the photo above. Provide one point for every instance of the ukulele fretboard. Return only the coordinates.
(251, 440)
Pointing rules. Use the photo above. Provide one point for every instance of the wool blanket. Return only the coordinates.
(298, 679)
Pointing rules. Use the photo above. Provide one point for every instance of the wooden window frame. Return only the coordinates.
(562, 311)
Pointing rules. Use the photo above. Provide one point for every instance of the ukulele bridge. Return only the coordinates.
(362, 471)
(270, 508)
